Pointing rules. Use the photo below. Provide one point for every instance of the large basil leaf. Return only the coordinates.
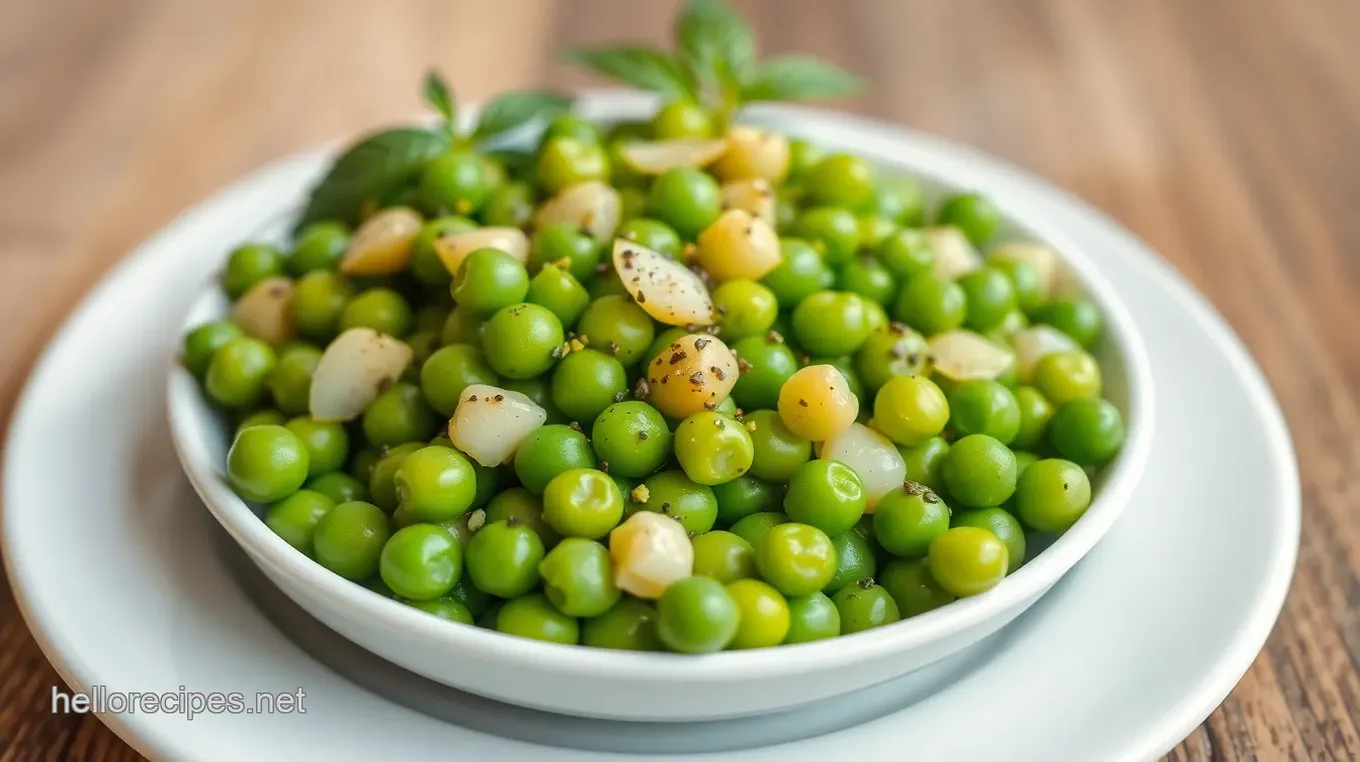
(792, 78)
(716, 43)
(508, 111)
(370, 170)
(641, 67)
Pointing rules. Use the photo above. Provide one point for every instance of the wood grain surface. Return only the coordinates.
(1223, 132)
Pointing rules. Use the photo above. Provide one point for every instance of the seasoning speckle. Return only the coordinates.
(701, 343)
(802, 403)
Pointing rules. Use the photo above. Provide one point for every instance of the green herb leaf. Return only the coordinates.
(370, 170)
(792, 78)
(511, 110)
(641, 67)
(440, 98)
(718, 46)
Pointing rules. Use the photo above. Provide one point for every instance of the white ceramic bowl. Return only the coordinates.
(668, 687)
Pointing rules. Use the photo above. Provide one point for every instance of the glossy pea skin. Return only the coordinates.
(549, 451)
(349, 539)
(382, 487)
(868, 277)
(632, 437)
(585, 382)
(249, 264)
(854, 561)
(979, 471)
(801, 272)
(864, 606)
(745, 308)
(910, 410)
(697, 615)
(968, 560)
(563, 162)
(435, 483)
(318, 247)
(534, 617)
(931, 304)
(831, 323)
(778, 452)
(294, 518)
(1063, 376)
(826, 494)
(445, 608)
(1075, 316)
(202, 343)
(266, 463)
(450, 370)
(901, 200)
(840, 179)
(503, 558)
(755, 527)
(1024, 280)
(426, 265)
(630, 625)
(488, 280)
(652, 234)
(398, 415)
(319, 298)
(981, 406)
(327, 444)
(796, 558)
(687, 199)
(469, 595)
(912, 588)
(1052, 495)
(676, 495)
(381, 309)
(561, 293)
(578, 578)
(888, 353)
(973, 214)
(511, 205)
(421, 562)
(572, 126)
(832, 229)
(682, 119)
(763, 620)
(766, 363)
(1087, 431)
(455, 182)
(339, 486)
(582, 502)
(1002, 524)
(908, 519)
(615, 324)
(723, 556)
(990, 297)
(560, 241)
(812, 617)
(290, 382)
(519, 340)
(906, 254)
(1035, 413)
(925, 462)
(873, 230)
(238, 372)
(744, 496)
(525, 509)
(713, 448)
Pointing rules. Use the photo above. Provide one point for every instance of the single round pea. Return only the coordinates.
(381, 309)
(382, 486)
(578, 578)
(931, 304)
(874, 229)
(561, 293)
(1052, 495)
(511, 205)
(973, 214)
(1086, 431)
(754, 528)
(566, 245)
(901, 200)
(449, 371)
(586, 382)
(979, 471)
(582, 502)
(832, 229)
(812, 617)
(826, 494)
(744, 496)
(798, 559)
(801, 272)
(266, 463)
(349, 539)
(319, 298)
(519, 340)
(503, 558)
(238, 372)
(910, 410)
(990, 298)
(831, 323)
(766, 362)
(327, 444)
(864, 606)
(533, 616)
(549, 451)
(488, 280)
(854, 561)
(908, 519)
(867, 277)
(778, 452)
(1063, 376)
(454, 182)
(840, 179)
(890, 352)
(682, 119)
(652, 234)
(968, 560)
(676, 495)
(290, 382)
(249, 264)
(697, 615)
(1035, 412)
(687, 199)
(421, 562)
(1003, 525)
(1024, 280)
(445, 608)
(713, 448)
(339, 486)
(745, 308)
(981, 406)
(435, 483)
(573, 126)
(525, 509)
(629, 626)
(294, 518)
(318, 247)
(563, 162)
(203, 342)
(632, 437)
(1075, 316)
(426, 264)
(912, 588)
(615, 324)
(906, 254)
(925, 462)
(763, 620)
(723, 556)
(399, 414)
(461, 327)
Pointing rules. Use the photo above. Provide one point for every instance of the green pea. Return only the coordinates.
(979, 471)
(652, 234)
(1024, 280)
(203, 342)
(901, 200)
(238, 372)
(1052, 495)
(632, 437)
(582, 502)
(1023, 460)
(798, 559)
(801, 272)
(632, 199)
(489, 280)
(339, 486)
(826, 494)
(778, 452)
(398, 415)
(1077, 317)
(435, 483)
(931, 304)
(290, 382)
(874, 229)
(461, 327)
(854, 561)
(990, 297)
(723, 556)
(833, 229)
(449, 371)
(713, 448)
(381, 309)
(687, 199)
(249, 264)
(767, 364)
(349, 539)
(629, 626)
(697, 615)
(840, 179)
(586, 382)
(889, 353)
(867, 277)
(755, 527)
(812, 617)
(421, 562)
(925, 461)
(361, 465)
(1063, 376)
(455, 182)
(561, 293)
(744, 496)
(831, 323)
(520, 340)
(426, 264)
(972, 214)
(763, 619)
(319, 298)
(326, 442)
(616, 325)
(510, 206)
(294, 518)
(676, 495)
(525, 509)
(980, 406)
(578, 578)
(503, 558)
(445, 608)
(534, 617)
(563, 162)
(549, 451)
(382, 487)
(864, 606)
(912, 588)
(910, 410)
(1035, 413)
(266, 463)
(906, 254)
(1003, 525)
(319, 246)
(745, 308)
(682, 119)
(1087, 431)
(907, 519)
(567, 246)
(968, 560)
(572, 126)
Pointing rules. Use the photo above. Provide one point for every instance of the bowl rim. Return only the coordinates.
(920, 154)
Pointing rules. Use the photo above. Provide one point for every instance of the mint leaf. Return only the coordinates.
(370, 170)
(440, 98)
(641, 67)
(716, 43)
(793, 78)
(511, 110)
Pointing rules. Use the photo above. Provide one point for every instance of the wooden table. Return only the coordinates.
(1224, 132)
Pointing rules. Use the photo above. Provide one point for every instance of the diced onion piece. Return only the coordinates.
(1041, 257)
(872, 456)
(656, 157)
(454, 248)
(355, 367)
(963, 356)
(753, 153)
(266, 311)
(954, 255)
(816, 403)
(591, 206)
(695, 373)
(650, 551)
(755, 196)
(664, 288)
(1033, 343)
(490, 423)
(382, 245)
(738, 245)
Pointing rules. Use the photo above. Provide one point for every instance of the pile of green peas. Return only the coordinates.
(785, 546)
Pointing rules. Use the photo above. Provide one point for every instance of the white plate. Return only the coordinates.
(112, 562)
